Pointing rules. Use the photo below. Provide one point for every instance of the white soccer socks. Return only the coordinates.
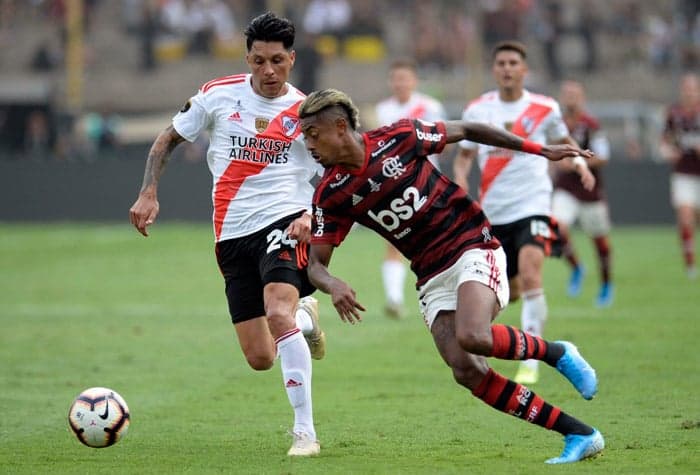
(533, 316)
(295, 359)
(394, 277)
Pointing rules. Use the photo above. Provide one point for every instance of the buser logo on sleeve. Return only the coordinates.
(428, 136)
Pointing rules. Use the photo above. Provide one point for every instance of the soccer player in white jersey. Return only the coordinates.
(405, 102)
(516, 191)
(262, 198)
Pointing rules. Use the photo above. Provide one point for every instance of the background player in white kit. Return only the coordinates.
(405, 102)
(571, 202)
(262, 198)
(516, 191)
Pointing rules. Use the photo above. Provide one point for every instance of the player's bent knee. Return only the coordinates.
(475, 341)
(260, 362)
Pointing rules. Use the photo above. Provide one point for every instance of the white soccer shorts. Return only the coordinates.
(685, 190)
(593, 216)
(487, 266)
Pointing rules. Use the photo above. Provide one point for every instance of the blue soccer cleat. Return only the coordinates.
(577, 371)
(576, 281)
(605, 295)
(579, 447)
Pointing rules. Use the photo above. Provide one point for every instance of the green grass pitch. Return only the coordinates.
(98, 305)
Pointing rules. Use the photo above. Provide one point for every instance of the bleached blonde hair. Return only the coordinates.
(330, 100)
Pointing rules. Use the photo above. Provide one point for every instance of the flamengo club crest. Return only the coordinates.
(289, 124)
(392, 167)
(261, 124)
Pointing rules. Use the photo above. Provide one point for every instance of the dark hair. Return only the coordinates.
(404, 63)
(516, 46)
(269, 27)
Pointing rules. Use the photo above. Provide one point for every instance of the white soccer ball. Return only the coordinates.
(99, 417)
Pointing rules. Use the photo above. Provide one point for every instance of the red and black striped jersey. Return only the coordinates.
(585, 129)
(683, 127)
(399, 194)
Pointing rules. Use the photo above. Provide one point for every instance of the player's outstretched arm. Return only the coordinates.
(342, 295)
(144, 211)
(487, 134)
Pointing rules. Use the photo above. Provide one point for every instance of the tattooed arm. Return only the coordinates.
(145, 209)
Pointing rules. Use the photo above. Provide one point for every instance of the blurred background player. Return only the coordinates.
(516, 191)
(257, 155)
(405, 102)
(680, 145)
(571, 201)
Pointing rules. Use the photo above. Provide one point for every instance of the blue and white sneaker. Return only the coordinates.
(576, 281)
(579, 447)
(577, 371)
(605, 295)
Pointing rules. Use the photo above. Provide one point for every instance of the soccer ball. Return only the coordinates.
(99, 417)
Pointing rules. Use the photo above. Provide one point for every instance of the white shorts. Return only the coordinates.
(685, 190)
(593, 216)
(482, 265)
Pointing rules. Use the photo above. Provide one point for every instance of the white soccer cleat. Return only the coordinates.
(317, 338)
(394, 311)
(303, 446)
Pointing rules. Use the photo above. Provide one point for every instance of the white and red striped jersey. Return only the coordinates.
(418, 106)
(257, 157)
(514, 184)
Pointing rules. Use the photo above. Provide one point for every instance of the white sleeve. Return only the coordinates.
(600, 145)
(469, 116)
(556, 129)
(436, 112)
(381, 113)
(193, 118)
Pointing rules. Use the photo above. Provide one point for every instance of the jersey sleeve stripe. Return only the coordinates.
(233, 79)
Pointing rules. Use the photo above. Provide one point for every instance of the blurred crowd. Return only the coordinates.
(444, 37)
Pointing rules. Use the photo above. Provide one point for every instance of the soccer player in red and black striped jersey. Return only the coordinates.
(572, 202)
(680, 145)
(383, 180)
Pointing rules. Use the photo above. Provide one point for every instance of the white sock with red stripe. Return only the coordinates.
(394, 276)
(295, 360)
(533, 316)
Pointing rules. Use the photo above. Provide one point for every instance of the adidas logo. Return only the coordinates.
(284, 256)
(236, 116)
(292, 384)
